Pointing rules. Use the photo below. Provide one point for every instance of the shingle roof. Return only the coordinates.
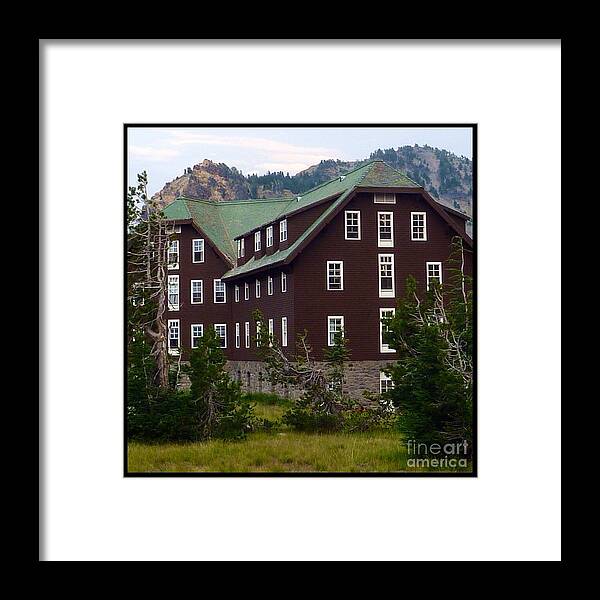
(223, 221)
(281, 255)
(382, 175)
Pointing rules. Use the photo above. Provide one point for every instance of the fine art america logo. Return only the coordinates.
(444, 456)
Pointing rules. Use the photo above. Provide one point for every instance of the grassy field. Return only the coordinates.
(277, 451)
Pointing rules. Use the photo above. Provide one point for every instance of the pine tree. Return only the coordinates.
(433, 377)
(218, 406)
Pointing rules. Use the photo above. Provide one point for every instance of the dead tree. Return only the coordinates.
(299, 371)
(148, 241)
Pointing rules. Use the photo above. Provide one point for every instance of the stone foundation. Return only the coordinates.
(360, 376)
(251, 374)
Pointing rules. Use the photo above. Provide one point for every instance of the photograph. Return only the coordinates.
(312, 319)
(300, 300)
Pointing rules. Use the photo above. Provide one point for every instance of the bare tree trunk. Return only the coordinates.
(147, 258)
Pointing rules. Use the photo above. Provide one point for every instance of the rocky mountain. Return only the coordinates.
(446, 176)
(206, 180)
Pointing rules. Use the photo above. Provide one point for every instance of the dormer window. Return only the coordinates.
(240, 248)
(269, 236)
(257, 244)
(283, 230)
(385, 198)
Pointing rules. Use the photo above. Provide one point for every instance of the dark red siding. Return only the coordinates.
(359, 302)
(280, 304)
(208, 313)
(307, 302)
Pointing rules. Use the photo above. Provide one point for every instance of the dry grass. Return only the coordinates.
(277, 452)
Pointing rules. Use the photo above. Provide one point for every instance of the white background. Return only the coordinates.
(511, 511)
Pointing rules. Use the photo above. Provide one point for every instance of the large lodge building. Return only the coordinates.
(333, 258)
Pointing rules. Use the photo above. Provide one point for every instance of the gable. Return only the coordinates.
(224, 222)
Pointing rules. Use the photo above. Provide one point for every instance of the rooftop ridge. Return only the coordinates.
(368, 163)
(394, 170)
(238, 201)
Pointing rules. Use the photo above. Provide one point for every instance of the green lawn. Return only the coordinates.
(277, 452)
(272, 412)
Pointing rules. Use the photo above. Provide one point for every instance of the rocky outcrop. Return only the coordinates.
(208, 181)
(446, 176)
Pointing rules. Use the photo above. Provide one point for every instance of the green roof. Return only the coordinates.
(382, 175)
(282, 255)
(223, 221)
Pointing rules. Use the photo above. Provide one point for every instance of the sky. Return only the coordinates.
(165, 152)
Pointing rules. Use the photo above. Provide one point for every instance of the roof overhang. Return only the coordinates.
(345, 198)
(206, 237)
(286, 214)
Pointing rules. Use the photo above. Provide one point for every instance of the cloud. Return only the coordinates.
(270, 154)
(150, 153)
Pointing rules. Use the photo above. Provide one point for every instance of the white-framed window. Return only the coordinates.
(271, 330)
(385, 229)
(269, 285)
(434, 273)
(198, 251)
(173, 255)
(284, 331)
(384, 313)
(352, 225)
(246, 291)
(385, 383)
(237, 335)
(335, 275)
(257, 334)
(221, 331)
(173, 292)
(197, 331)
(257, 242)
(284, 282)
(241, 248)
(219, 291)
(136, 300)
(283, 230)
(236, 293)
(197, 296)
(418, 226)
(269, 236)
(247, 334)
(257, 288)
(386, 276)
(173, 333)
(173, 229)
(335, 325)
(384, 198)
